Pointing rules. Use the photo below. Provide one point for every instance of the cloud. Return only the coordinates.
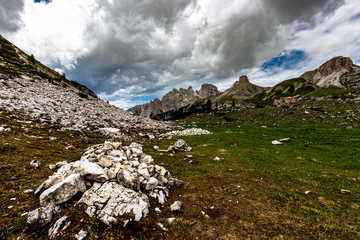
(123, 49)
(10, 15)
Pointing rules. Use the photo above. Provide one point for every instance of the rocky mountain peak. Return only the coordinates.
(175, 99)
(207, 90)
(243, 79)
(336, 64)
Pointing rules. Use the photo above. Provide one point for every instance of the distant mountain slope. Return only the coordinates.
(339, 72)
(15, 63)
(336, 72)
(174, 99)
(235, 96)
(29, 87)
(237, 93)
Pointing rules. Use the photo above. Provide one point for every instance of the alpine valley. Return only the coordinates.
(250, 162)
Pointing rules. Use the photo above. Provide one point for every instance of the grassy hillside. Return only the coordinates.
(15, 63)
(287, 88)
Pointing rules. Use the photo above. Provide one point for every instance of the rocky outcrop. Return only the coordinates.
(207, 90)
(174, 99)
(235, 96)
(114, 180)
(331, 73)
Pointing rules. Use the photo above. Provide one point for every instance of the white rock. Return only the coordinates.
(162, 227)
(28, 191)
(60, 164)
(152, 183)
(63, 191)
(276, 142)
(307, 192)
(81, 235)
(176, 206)
(157, 210)
(35, 163)
(59, 226)
(170, 220)
(284, 140)
(42, 215)
(344, 191)
(92, 171)
(105, 161)
(156, 148)
(111, 200)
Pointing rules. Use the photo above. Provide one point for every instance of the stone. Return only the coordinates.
(179, 146)
(60, 164)
(162, 227)
(276, 142)
(151, 184)
(129, 180)
(176, 206)
(156, 148)
(284, 140)
(35, 164)
(170, 220)
(105, 162)
(157, 210)
(42, 215)
(81, 235)
(110, 200)
(29, 191)
(58, 228)
(92, 171)
(186, 132)
(63, 191)
(344, 191)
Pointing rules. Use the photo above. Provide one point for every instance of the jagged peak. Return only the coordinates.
(335, 64)
(242, 80)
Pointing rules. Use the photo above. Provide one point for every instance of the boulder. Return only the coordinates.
(63, 191)
(42, 215)
(176, 206)
(179, 146)
(35, 163)
(110, 200)
(92, 171)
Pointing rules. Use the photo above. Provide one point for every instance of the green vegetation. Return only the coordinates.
(330, 91)
(257, 191)
(287, 88)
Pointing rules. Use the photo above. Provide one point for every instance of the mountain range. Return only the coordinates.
(337, 74)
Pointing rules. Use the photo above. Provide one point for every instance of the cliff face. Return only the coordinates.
(174, 99)
(238, 93)
(331, 73)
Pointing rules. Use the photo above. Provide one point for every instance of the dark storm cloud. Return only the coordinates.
(140, 47)
(10, 15)
(303, 10)
(132, 45)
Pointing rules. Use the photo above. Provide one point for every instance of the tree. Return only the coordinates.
(32, 58)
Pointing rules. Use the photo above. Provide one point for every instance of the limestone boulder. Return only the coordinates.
(63, 191)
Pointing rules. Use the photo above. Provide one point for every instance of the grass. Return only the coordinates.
(257, 192)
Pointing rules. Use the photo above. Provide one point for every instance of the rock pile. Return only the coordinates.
(186, 132)
(60, 103)
(114, 180)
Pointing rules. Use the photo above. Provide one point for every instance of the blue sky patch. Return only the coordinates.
(46, 1)
(285, 60)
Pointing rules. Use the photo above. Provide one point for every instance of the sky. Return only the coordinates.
(129, 52)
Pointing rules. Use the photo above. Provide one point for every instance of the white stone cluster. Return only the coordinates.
(115, 180)
(60, 103)
(187, 132)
